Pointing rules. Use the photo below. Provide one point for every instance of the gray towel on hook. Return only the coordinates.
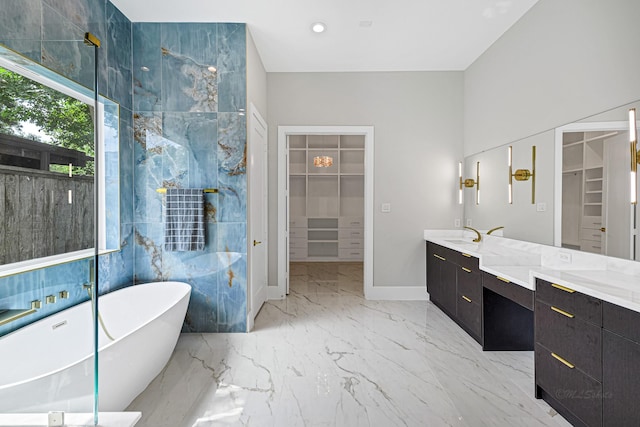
(184, 220)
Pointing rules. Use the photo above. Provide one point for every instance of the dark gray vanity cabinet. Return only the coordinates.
(620, 366)
(568, 352)
(454, 283)
(441, 277)
(469, 296)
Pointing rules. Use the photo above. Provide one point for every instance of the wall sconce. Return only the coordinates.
(523, 175)
(469, 183)
(633, 140)
(323, 161)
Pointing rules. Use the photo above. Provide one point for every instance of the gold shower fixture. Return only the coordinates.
(469, 183)
(523, 174)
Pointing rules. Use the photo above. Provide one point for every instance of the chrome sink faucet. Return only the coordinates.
(477, 239)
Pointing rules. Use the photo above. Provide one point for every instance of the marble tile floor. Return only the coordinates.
(325, 356)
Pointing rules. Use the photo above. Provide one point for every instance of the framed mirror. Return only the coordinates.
(47, 168)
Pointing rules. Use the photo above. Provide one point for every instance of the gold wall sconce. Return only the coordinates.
(633, 139)
(523, 174)
(469, 183)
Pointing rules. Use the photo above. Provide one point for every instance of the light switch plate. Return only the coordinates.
(456, 223)
(469, 222)
(541, 207)
(385, 207)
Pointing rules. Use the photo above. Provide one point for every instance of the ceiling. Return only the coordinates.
(361, 35)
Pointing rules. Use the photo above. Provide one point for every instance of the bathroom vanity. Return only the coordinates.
(579, 313)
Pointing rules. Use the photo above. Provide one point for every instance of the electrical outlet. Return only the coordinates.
(541, 207)
(56, 419)
(456, 223)
(385, 207)
(469, 222)
(564, 256)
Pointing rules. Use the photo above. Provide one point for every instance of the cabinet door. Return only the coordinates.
(434, 285)
(620, 374)
(448, 280)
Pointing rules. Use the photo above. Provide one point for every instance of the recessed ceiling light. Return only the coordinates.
(212, 69)
(143, 68)
(318, 27)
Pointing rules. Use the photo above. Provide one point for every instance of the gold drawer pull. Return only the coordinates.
(466, 298)
(467, 255)
(439, 257)
(564, 313)
(503, 279)
(562, 288)
(466, 269)
(555, 356)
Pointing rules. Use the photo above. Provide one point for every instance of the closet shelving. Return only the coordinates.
(326, 204)
(583, 183)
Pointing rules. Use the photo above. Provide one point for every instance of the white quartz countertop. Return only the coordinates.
(609, 279)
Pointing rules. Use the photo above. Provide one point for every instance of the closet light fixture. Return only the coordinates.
(523, 174)
(633, 140)
(323, 161)
(469, 183)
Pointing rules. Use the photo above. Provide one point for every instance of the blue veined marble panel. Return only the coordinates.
(116, 268)
(193, 159)
(119, 57)
(232, 92)
(87, 15)
(232, 237)
(188, 51)
(232, 48)
(232, 293)
(110, 136)
(126, 166)
(196, 41)
(202, 313)
(148, 148)
(20, 20)
(72, 59)
(29, 48)
(147, 67)
(148, 252)
(18, 291)
(232, 168)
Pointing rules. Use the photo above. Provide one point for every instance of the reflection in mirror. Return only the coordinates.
(47, 168)
(597, 214)
(582, 195)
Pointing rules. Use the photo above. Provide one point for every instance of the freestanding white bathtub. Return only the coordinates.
(48, 365)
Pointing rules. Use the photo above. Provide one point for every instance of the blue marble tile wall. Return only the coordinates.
(51, 32)
(190, 132)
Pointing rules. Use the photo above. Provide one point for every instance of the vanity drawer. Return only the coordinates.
(580, 305)
(467, 261)
(470, 284)
(446, 253)
(470, 314)
(578, 341)
(577, 392)
(622, 321)
(511, 291)
(594, 222)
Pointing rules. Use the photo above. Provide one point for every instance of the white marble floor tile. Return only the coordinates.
(325, 356)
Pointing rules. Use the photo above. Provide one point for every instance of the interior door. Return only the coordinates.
(257, 153)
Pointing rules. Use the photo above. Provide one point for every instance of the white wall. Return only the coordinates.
(256, 78)
(564, 60)
(418, 121)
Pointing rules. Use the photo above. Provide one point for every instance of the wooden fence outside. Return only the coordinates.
(36, 218)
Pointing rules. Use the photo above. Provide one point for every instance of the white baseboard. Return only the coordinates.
(273, 293)
(397, 293)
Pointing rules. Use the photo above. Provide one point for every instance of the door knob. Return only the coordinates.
(603, 229)
(255, 243)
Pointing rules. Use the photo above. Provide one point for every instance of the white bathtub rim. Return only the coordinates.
(105, 346)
